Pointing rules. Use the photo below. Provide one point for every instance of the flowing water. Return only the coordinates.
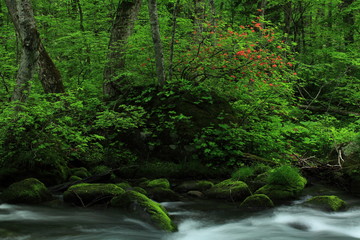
(200, 220)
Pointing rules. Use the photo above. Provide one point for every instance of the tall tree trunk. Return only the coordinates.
(49, 75)
(32, 53)
(173, 32)
(155, 31)
(23, 18)
(126, 14)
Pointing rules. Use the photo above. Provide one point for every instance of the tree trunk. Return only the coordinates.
(32, 53)
(49, 75)
(173, 32)
(23, 18)
(123, 25)
(155, 30)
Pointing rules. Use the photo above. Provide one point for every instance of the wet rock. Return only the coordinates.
(194, 186)
(229, 190)
(257, 202)
(146, 208)
(196, 194)
(85, 194)
(327, 203)
(30, 191)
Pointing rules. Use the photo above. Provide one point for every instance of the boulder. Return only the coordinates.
(30, 191)
(85, 194)
(283, 183)
(161, 182)
(195, 194)
(80, 172)
(230, 190)
(327, 203)
(147, 208)
(161, 194)
(257, 202)
(194, 186)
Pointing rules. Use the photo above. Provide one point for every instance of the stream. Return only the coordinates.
(197, 220)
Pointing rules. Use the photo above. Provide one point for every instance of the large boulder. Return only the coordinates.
(147, 208)
(257, 202)
(229, 190)
(328, 203)
(85, 194)
(30, 191)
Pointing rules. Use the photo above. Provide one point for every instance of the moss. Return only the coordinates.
(329, 203)
(257, 201)
(161, 182)
(140, 190)
(194, 185)
(284, 183)
(124, 185)
(163, 194)
(75, 178)
(80, 172)
(29, 190)
(157, 213)
(230, 190)
(279, 192)
(85, 193)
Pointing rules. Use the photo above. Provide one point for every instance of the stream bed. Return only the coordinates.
(197, 220)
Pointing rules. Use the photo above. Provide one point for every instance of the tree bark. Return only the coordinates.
(126, 14)
(32, 53)
(23, 18)
(155, 31)
(173, 32)
(49, 75)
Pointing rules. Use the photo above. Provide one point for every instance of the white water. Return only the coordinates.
(197, 221)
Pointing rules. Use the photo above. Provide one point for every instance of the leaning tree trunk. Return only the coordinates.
(23, 18)
(32, 53)
(155, 30)
(122, 27)
(49, 75)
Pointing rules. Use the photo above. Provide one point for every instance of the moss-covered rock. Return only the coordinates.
(161, 182)
(160, 194)
(80, 172)
(140, 190)
(85, 194)
(124, 185)
(29, 191)
(257, 201)
(328, 203)
(284, 183)
(75, 178)
(194, 186)
(230, 190)
(280, 192)
(155, 213)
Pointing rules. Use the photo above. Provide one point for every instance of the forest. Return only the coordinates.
(131, 103)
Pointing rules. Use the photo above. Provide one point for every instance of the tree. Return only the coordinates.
(126, 14)
(159, 56)
(32, 53)
(23, 18)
